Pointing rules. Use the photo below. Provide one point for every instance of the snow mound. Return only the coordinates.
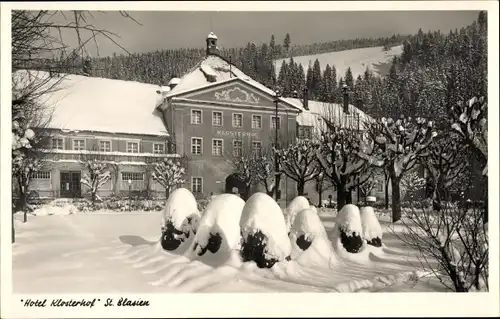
(179, 221)
(218, 232)
(372, 231)
(309, 240)
(48, 210)
(264, 231)
(296, 205)
(348, 230)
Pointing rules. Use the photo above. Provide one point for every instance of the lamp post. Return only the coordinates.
(129, 194)
(276, 160)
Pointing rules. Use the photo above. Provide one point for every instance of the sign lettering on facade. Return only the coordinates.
(236, 133)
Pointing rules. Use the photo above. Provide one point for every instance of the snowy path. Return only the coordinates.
(118, 253)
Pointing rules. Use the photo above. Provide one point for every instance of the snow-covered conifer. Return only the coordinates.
(263, 231)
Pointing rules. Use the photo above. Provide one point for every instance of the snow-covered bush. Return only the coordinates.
(98, 175)
(218, 232)
(309, 231)
(372, 231)
(168, 174)
(179, 221)
(348, 229)
(305, 229)
(263, 230)
(296, 205)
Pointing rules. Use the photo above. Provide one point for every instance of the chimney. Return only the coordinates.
(346, 99)
(212, 48)
(305, 98)
(173, 82)
(359, 104)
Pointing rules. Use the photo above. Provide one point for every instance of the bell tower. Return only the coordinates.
(212, 48)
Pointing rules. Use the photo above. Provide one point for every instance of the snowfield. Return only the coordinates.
(113, 252)
(357, 59)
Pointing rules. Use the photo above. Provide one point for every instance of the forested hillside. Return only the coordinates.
(255, 60)
(435, 71)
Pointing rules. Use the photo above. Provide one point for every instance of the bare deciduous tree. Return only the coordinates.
(453, 245)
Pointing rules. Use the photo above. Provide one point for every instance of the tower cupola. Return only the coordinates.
(212, 48)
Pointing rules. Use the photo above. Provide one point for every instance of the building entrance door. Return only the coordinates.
(70, 184)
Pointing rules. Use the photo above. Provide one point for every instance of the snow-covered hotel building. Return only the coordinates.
(206, 116)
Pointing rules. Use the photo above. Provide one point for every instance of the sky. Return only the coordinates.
(188, 29)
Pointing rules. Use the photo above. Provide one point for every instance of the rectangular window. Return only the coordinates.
(237, 120)
(104, 146)
(196, 184)
(132, 147)
(132, 176)
(78, 145)
(238, 148)
(217, 118)
(196, 145)
(305, 132)
(257, 148)
(158, 148)
(275, 121)
(58, 143)
(42, 175)
(136, 179)
(41, 181)
(217, 147)
(196, 116)
(380, 186)
(256, 121)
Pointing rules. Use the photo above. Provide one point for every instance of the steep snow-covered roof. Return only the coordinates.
(214, 69)
(332, 111)
(97, 104)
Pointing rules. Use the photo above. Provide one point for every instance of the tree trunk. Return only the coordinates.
(246, 194)
(167, 192)
(396, 199)
(270, 192)
(320, 196)
(13, 230)
(386, 190)
(348, 197)
(300, 188)
(341, 197)
(22, 205)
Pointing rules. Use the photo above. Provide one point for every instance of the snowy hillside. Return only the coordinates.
(357, 59)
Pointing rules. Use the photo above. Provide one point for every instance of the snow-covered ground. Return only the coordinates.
(110, 252)
(357, 59)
